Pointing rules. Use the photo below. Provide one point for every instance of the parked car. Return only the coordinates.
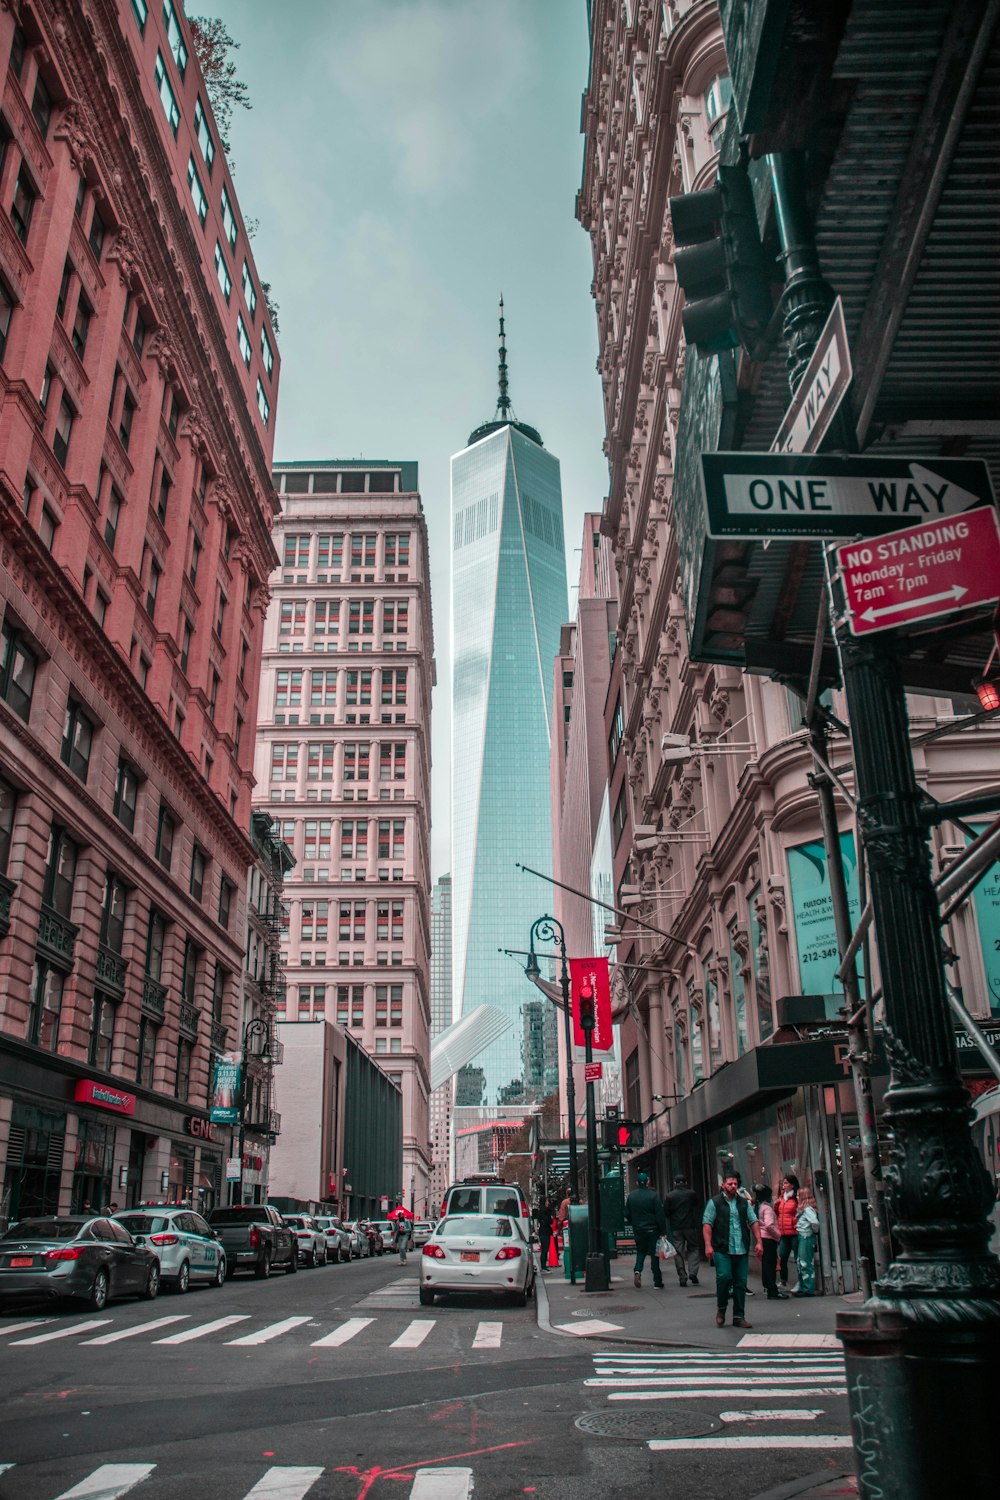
(359, 1240)
(255, 1236)
(338, 1240)
(485, 1195)
(422, 1231)
(478, 1253)
(187, 1247)
(311, 1238)
(384, 1230)
(75, 1256)
(374, 1238)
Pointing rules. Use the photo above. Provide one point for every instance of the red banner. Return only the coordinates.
(89, 1091)
(594, 970)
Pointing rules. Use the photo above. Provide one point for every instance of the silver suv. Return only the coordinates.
(311, 1237)
(188, 1249)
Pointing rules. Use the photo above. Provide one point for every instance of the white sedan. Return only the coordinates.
(477, 1253)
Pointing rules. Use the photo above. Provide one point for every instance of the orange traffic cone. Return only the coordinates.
(553, 1252)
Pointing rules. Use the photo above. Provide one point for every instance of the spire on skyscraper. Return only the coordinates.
(504, 414)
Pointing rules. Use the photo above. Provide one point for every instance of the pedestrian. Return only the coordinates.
(543, 1218)
(788, 1214)
(644, 1211)
(770, 1234)
(401, 1234)
(727, 1225)
(806, 1236)
(683, 1225)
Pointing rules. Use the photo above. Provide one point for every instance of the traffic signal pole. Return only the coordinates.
(923, 1354)
(597, 1277)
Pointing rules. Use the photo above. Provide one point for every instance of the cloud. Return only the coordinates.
(437, 80)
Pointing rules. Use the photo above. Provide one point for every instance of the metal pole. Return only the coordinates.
(597, 1275)
(551, 929)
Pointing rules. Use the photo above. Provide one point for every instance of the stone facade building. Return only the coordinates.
(139, 368)
(343, 764)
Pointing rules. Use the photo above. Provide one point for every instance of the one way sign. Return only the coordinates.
(795, 497)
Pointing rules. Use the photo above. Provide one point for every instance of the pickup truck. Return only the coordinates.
(255, 1236)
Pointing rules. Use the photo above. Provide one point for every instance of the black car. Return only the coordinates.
(77, 1257)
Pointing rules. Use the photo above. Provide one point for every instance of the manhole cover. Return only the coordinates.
(639, 1425)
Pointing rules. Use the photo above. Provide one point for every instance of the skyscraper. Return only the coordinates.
(508, 599)
(441, 1019)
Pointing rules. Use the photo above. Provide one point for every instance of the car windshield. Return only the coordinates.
(44, 1229)
(142, 1223)
(238, 1216)
(483, 1225)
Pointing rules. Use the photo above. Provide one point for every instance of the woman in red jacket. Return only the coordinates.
(787, 1209)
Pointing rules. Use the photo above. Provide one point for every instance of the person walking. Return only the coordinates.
(543, 1218)
(770, 1234)
(727, 1225)
(401, 1234)
(806, 1237)
(644, 1211)
(788, 1213)
(683, 1223)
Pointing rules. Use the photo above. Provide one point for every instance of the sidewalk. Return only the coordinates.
(679, 1317)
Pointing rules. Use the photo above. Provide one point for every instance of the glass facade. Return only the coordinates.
(509, 601)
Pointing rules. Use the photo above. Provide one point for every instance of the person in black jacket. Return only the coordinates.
(684, 1229)
(544, 1216)
(644, 1211)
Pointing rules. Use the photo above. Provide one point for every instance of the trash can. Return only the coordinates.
(575, 1251)
(612, 1212)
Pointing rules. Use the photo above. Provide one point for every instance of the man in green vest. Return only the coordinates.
(644, 1211)
(727, 1224)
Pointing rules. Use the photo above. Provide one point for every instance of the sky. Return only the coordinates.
(408, 160)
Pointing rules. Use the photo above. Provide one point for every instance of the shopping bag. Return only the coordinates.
(664, 1248)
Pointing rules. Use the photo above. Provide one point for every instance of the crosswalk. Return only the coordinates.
(738, 1379)
(177, 1329)
(280, 1482)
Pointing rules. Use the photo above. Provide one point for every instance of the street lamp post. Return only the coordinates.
(549, 929)
(253, 1028)
(597, 1277)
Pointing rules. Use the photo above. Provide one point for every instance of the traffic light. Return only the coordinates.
(723, 271)
(622, 1135)
(586, 1002)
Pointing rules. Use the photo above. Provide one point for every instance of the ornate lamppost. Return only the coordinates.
(549, 929)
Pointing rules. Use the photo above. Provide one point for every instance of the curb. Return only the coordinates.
(545, 1324)
(820, 1482)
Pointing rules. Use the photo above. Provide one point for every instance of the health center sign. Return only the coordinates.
(812, 910)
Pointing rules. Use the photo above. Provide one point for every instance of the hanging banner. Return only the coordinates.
(812, 906)
(596, 971)
(226, 1089)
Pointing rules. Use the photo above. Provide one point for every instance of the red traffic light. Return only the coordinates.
(586, 999)
(624, 1131)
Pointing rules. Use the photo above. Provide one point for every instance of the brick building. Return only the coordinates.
(343, 763)
(138, 370)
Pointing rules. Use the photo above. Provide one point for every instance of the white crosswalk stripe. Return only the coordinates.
(488, 1336)
(441, 1484)
(31, 1323)
(272, 1331)
(343, 1334)
(131, 1333)
(62, 1333)
(108, 1482)
(413, 1336)
(284, 1484)
(761, 1440)
(203, 1329)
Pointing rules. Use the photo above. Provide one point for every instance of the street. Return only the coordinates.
(336, 1385)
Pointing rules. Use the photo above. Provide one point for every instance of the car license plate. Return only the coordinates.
(469, 1255)
(27, 1260)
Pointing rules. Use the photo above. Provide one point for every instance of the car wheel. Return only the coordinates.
(152, 1286)
(293, 1262)
(230, 1270)
(530, 1288)
(183, 1278)
(322, 1260)
(334, 1255)
(222, 1272)
(99, 1292)
(262, 1269)
(426, 1297)
(311, 1262)
(520, 1298)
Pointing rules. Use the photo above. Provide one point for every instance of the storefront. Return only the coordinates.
(33, 1170)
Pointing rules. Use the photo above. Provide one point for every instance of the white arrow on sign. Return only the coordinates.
(955, 593)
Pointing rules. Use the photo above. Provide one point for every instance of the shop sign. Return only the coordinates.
(204, 1130)
(812, 910)
(88, 1091)
(232, 1169)
(226, 1089)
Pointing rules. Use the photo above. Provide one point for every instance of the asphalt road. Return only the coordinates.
(335, 1384)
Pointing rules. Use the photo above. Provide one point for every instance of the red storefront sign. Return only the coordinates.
(594, 970)
(196, 1126)
(88, 1091)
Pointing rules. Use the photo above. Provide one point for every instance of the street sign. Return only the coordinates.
(820, 391)
(593, 1072)
(232, 1169)
(922, 573)
(797, 497)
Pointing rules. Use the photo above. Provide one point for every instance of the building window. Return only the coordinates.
(166, 93)
(243, 339)
(81, 325)
(153, 586)
(196, 550)
(220, 614)
(213, 697)
(166, 827)
(218, 992)
(41, 107)
(17, 671)
(226, 892)
(314, 921)
(205, 143)
(266, 352)
(46, 1006)
(18, 50)
(296, 550)
(199, 865)
(319, 761)
(189, 971)
(163, 497)
(175, 39)
(63, 431)
(323, 689)
(60, 871)
(47, 528)
(263, 405)
(126, 793)
(285, 762)
(397, 549)
(23, 204)
(98, 230)
(6, 313)
(113, 912)
(8, 801)
(102, 1031)
(288, 688)
(197, 192)
(250, 292)
(620, 817)
(140, 10)
(330, 551)
(156, 937)
(78, 738)
(292, 617)
(222, 272)
(617, 734)
(145, 1068)
(185, 1052)
(129, 407)
(228, 218)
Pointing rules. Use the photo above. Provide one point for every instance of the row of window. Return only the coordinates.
(320, 835)
(356, 683)
(384, 1002)
(327, 615)
(319, 758)
(352, 919)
